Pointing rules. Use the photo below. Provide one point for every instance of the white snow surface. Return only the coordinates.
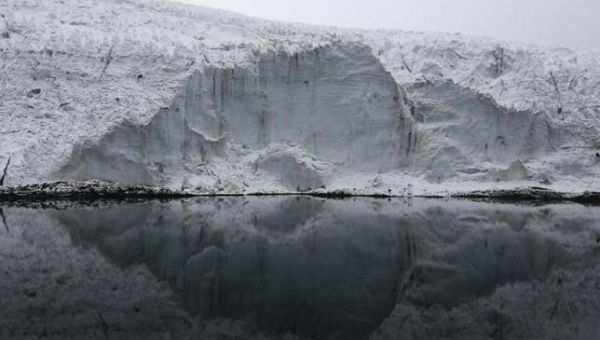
(207, 101)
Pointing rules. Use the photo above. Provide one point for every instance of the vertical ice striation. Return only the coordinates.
(337, 102)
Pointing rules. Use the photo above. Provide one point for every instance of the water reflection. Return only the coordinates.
(351, 269)
(281, 264)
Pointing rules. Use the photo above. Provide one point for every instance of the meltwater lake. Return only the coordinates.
(299, 268)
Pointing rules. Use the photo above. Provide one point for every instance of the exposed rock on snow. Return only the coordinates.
(160, 94)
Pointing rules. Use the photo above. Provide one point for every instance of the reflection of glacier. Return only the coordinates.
(325, 268)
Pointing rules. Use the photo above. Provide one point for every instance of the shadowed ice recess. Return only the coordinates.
(300, 267)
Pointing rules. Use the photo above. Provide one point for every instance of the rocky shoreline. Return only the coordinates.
(532, 194)
(98, 191)
(83, 190)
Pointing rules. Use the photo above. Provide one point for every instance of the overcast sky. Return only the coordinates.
(573, 23)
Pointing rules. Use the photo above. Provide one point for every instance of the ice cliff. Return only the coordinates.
(166, 95)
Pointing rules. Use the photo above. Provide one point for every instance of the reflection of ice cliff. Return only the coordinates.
(341, 265)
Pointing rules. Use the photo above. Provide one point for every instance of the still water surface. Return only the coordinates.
(299, 267)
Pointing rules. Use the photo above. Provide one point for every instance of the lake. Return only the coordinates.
(297, 267)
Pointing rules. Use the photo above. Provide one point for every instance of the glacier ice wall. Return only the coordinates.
(340, 104)
(143, 155)
(293, 122)
(460, 130)
(256, 101)
(336, 103)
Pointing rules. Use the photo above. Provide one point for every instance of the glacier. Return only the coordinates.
(202, 101)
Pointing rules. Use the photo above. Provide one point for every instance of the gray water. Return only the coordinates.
(299, 267)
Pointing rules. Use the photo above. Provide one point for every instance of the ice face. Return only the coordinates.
(460, 130)
(294, 122)
(336, 103)
(246, 94)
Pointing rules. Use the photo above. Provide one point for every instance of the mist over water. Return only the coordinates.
(299, 267)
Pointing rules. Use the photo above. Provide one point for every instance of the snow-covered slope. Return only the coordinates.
(169, 95)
